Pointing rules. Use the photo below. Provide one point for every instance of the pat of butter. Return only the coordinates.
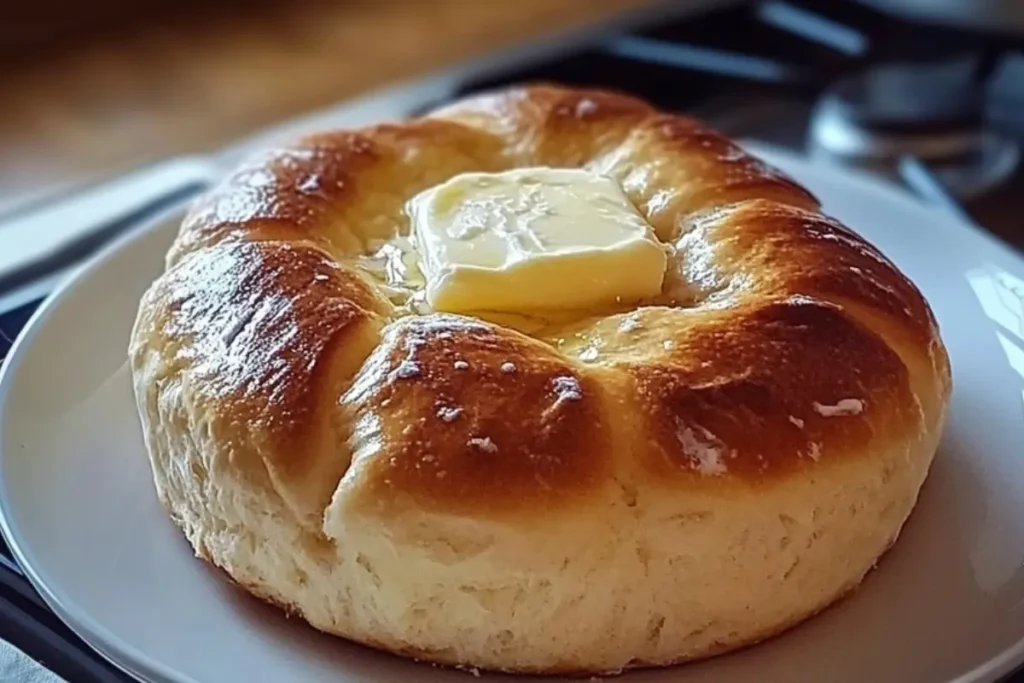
(533, 239)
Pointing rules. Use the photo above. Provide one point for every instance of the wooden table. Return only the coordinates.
(203, 80)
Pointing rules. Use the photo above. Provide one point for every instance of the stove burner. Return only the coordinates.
(934, 112)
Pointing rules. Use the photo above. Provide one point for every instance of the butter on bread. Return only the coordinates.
(666, 479)
(533, 239)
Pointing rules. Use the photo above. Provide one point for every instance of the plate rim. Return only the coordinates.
(138, 664)
(111, 648)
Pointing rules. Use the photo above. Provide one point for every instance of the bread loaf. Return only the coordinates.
(649, 483)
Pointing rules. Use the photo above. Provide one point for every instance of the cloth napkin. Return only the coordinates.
(17, 667)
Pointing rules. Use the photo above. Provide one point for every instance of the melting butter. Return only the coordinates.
(533, 239)
(394, 266)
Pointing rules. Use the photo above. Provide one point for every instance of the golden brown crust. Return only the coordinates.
(553, 126)
(266, 333)
(337, 189)
(462, 410)
(752, 386)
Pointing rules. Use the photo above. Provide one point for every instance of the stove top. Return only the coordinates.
(839, 80)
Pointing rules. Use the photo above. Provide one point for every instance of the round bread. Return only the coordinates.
(621, 488)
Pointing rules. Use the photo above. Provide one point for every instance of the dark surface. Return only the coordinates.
(750, 72)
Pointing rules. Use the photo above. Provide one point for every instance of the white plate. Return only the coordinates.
(79, 510)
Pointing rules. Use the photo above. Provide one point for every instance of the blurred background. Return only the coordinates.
(92, 87)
